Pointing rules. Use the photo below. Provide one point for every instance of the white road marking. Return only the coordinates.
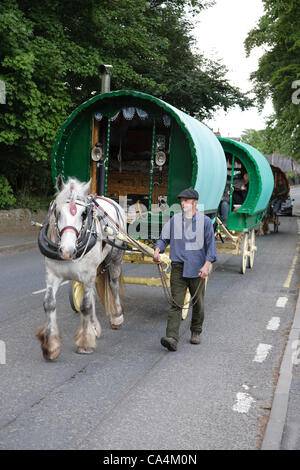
(38, 291)
(281, 302)
(262, 352)
(44, 290)
(273, 324)
(243, 402)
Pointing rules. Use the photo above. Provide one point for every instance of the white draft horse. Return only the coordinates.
(78, 247)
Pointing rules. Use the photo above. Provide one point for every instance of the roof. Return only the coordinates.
(284, 163)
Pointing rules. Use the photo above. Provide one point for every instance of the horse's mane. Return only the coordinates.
(73, 189)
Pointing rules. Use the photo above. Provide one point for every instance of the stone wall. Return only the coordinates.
(19, 220)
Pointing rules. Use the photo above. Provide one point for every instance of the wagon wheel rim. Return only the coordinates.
(276, 223)
(244, 253)
(251, 249)
(185, 310)
(76, 295)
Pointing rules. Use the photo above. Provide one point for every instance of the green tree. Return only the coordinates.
(279, 70)
(50, 51)
(257, 139)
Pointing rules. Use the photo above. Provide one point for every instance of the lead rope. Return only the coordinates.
(168, 295)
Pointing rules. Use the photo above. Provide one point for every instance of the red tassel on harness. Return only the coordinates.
(73, 208)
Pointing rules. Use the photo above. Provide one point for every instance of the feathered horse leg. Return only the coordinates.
(49, 334)
(89, 329)
(116, 317)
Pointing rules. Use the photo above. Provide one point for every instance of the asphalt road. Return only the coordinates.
(133, 394)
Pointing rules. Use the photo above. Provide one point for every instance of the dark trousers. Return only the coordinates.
(179, 285)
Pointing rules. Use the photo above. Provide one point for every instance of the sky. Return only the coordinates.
(220, 32)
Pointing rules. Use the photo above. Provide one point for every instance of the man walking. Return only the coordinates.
(192, 251)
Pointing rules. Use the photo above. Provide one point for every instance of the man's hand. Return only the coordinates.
(205, 270)
(156, 255)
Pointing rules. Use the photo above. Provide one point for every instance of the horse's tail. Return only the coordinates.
(105, 292)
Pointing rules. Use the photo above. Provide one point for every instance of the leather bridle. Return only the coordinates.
(86, 238)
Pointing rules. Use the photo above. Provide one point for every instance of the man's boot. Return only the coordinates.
(169, 343)
(195, 338)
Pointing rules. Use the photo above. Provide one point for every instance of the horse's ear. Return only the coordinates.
(86, 188)
(60, 183)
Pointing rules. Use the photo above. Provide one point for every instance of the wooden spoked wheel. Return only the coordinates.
(76, 295)
(244, 252)
(251, 249)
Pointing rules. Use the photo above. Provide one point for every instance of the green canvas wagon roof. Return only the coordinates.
(261, 183)
(71, 152)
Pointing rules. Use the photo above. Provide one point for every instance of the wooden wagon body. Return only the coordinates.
(280, 193)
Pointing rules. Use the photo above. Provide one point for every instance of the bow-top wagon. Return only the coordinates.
(247, 202)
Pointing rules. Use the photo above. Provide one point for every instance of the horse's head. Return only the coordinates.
(70, 211)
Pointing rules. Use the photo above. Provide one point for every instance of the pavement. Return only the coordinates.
(283, 428)
(18, 241)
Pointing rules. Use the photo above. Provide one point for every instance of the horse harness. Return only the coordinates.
(86, 238)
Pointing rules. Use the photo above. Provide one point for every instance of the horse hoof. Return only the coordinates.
(50, 345)
(115, 327)
(85, 351)
(51, 356)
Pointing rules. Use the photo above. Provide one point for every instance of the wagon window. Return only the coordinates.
(137, 145)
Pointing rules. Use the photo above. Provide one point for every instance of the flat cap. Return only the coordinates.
(189, 194)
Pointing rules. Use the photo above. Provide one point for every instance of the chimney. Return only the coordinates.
(105, 72)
